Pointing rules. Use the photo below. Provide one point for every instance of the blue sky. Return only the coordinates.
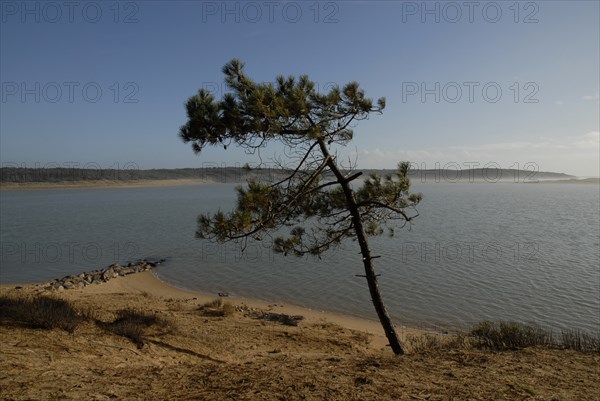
(505, 84)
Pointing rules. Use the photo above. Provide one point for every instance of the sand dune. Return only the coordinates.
(235, 356)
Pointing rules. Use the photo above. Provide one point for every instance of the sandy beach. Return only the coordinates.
(148, 283)
(234, 353)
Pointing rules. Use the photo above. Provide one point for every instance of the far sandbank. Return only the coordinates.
(12, 186)
(99, 184)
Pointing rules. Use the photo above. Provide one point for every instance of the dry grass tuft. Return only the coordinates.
(132, 323)
(362, 337)
(581, 342)
(214, 304)
(228, 309)
(288, 320)
(42, 312)
(428, 343)
(501, 336)
(217, 308)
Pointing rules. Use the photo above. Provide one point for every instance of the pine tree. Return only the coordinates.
(315, 199)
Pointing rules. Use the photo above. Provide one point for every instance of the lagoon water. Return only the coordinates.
(523, 252)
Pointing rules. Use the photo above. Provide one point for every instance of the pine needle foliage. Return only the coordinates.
(318, 188)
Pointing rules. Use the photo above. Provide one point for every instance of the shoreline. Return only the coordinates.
(101, 184)
(148, 284)
(370, 326)
(106, 184)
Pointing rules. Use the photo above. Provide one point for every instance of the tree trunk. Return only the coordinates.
(384, 317)
(382, 313)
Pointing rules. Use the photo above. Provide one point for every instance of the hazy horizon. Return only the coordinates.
(467, 84)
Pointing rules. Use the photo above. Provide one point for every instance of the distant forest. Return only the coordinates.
(241, 174)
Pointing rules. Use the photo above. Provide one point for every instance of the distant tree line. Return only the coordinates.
(241, 174)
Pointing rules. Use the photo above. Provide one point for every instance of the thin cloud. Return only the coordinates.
(577, 155)
(593, 97)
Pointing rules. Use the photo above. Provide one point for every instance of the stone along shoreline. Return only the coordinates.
(82, 280)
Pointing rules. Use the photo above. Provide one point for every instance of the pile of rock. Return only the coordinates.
(100, 276)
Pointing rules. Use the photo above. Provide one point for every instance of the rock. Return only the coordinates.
(103, 275)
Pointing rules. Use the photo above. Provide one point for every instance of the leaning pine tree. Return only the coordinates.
(315, 198)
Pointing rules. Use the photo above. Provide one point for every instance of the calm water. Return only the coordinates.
(521, 252)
